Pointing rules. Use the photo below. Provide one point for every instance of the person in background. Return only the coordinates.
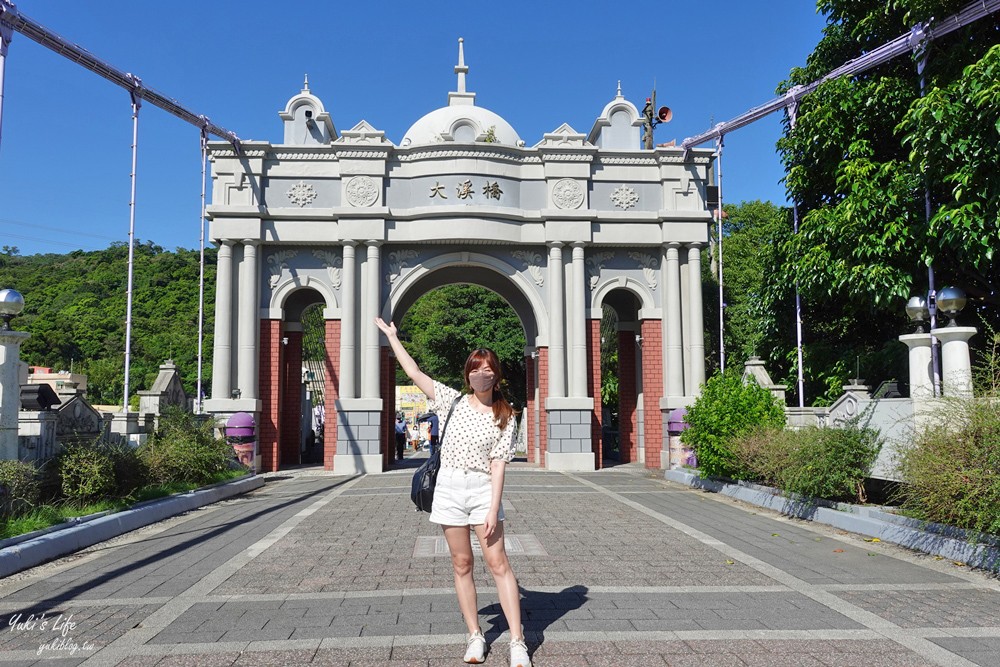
(433, 422)
(400, 437)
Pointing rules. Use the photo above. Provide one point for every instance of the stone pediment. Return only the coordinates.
(754, 371)
(167, 390)
(77, 417)
(563, 136)
(362, 133)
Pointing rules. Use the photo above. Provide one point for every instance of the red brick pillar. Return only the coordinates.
(529, 409)
(269, 386)
(387, 375)
(543, 393)
(594, 389)
(331, 392)
(628, 428)
(291, 400)
(652, 389)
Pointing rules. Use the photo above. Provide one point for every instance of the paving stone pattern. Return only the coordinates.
(630, 570)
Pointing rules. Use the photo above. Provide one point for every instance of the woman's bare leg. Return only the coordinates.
(503, 575)
(460, 546)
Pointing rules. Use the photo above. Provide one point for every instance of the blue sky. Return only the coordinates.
(65, 152)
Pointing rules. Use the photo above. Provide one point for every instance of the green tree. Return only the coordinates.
(856, 161)
(444, 325)
(753, 233)
(313, 334)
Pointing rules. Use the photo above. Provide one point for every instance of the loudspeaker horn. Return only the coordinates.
(664, 114)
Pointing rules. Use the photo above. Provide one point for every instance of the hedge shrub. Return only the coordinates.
(952, 473)
(19, 487)
(130, 471)
(728, 408)
(86, 472)
(185, 449)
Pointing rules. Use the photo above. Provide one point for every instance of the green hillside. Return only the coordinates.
(75, 312)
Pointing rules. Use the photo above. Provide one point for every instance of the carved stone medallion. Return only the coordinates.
(624, 197)
(301, 194)
(361, 191)
(567, 193)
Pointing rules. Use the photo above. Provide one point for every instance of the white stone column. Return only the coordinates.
(557, 338)
(578, 362)
(348, 325)
(10, 391)
(956, 368)
(371, 291)
(921, 385)
(696, 320)
(222, 360)
(672, 345)
(248, 322)
(685, 317)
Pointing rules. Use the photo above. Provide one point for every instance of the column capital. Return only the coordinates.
(578, 244)
(698, 245)
(251, 242)
(226, 243)
(915, 340)
(949, 333)
(349, 243)
(554, 245)
(11, 337)
(373, 243)
(672, 245)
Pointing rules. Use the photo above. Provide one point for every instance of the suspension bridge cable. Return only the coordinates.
(11, 16)
(883, 54)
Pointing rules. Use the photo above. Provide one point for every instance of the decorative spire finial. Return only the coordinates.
(619, 87)
(305, 85)
(461, 95)
(460, 68)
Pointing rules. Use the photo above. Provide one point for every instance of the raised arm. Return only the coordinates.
(421, 379)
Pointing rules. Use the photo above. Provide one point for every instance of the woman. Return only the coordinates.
(478, 444)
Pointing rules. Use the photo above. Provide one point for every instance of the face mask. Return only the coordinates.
(482, 381)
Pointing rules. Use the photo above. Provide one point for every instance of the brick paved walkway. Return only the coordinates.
(618, 568)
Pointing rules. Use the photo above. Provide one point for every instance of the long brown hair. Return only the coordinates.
(502, 409)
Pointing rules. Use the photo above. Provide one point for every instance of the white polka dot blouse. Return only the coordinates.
(471, 438)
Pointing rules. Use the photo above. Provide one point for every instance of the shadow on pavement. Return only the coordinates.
(539, 610)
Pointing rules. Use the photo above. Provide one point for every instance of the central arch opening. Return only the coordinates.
(439, 330)
(450, 310)
(445, 324)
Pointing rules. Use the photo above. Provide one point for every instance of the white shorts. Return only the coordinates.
(462, 497)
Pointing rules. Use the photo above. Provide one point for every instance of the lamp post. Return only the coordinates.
(11, 305)
(956, 366)
(951, 301)
(916, 308)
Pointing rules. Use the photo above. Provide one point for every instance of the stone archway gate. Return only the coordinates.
(365, 225)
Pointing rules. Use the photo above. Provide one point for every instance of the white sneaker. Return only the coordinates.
(519, 653)
(475, 653)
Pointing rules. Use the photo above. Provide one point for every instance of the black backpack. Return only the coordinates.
(425, 478)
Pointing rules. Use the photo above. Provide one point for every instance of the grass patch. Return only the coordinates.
(45, 516)
(170, 488)
(51, 515)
